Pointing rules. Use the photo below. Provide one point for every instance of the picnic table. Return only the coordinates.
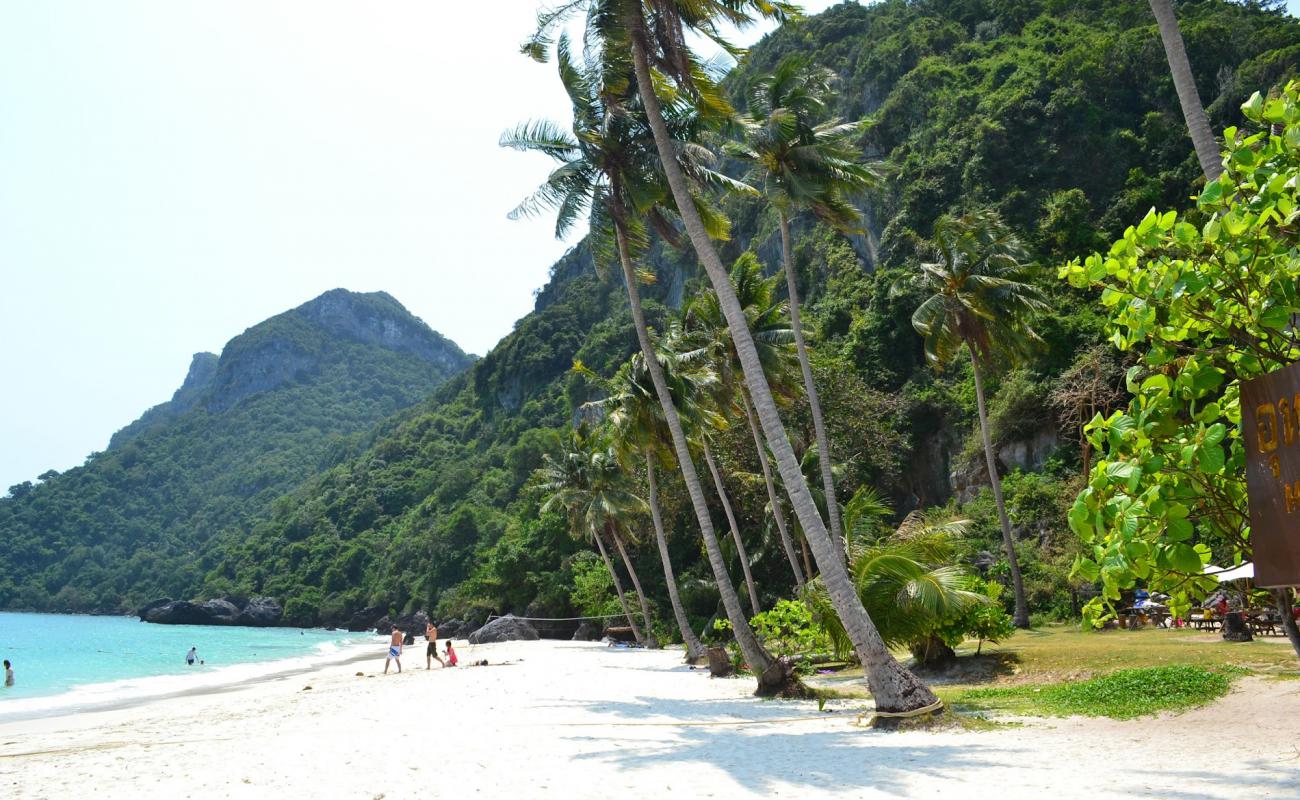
(1264, 621)
(1204, 619)
(1137, 616)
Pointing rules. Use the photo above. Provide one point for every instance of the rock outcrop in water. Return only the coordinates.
(258, 612)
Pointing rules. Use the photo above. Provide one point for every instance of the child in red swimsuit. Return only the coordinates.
(451, 655)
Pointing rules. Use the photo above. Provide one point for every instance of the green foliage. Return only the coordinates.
(1205, 299)
(788, 628)
(909, 583)
(985, 622)
(288, 397)
(1058, 116)
(1124, 694)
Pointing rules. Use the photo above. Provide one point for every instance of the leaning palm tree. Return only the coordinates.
(705, 328)
(1198, 124)
(608, 167)
(586, 482)
(979, 301)
(801, 160)
(655, 33)
(637, 431)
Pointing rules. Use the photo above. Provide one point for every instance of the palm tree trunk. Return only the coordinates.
(636, 583)
(1021, 617)
(618, 587)
(741, 553)
(1198, 125)
(893, 687)
(807, 564)
(758, 659)
(810, 389)
(694, 647)
(778, 513)
(1284, 607)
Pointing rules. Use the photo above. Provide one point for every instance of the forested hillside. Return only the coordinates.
(1059, 116)
(285, 397)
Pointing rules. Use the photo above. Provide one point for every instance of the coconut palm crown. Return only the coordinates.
(977, 293)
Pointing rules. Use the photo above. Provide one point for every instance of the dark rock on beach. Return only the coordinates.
(588, 631)
(366, 619)
(505, 629)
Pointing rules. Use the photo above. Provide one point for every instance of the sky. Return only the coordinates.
(173, 172)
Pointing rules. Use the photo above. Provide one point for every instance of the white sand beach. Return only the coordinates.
(573, 720)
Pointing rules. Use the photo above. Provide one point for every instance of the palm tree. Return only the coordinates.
(977, 300)
(607, 166)
(657, 30)
(1198, 125)
(706, 328)
(586, 482)
(799, 163)
(910, 584)
(638, 431)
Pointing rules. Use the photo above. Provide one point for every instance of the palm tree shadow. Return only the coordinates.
(762, 759)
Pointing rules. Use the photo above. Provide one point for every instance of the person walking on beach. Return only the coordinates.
(9, 673)
(394, 650)
(192, 656)
(431, 652)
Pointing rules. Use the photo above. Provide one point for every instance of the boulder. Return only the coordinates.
(383, 626)
(454, 629)
(260, 612)
(366, 618)
(412, 623)
(221, 611)
(504, 629)
(178, 612)
(144, 610)
(588, 631)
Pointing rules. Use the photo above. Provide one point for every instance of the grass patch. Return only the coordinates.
(1124, 694)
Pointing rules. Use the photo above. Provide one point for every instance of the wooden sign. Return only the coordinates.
(1270, 424)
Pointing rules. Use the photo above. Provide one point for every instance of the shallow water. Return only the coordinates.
(66, 662)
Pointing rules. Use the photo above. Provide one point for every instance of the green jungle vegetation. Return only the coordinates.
(287, 397)
(1048, 128)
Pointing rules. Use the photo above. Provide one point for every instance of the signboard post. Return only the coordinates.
(1270, 425)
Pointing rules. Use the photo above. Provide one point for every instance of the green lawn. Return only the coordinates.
(1062, 670)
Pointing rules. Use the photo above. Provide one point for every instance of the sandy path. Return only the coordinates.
(581, 721)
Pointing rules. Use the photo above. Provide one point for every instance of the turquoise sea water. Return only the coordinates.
(64, 662)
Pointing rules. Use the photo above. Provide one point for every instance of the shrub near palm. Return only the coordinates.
(1205, 299)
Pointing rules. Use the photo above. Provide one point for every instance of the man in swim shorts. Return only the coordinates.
(191, 656)
(394, 650)
(431, 652)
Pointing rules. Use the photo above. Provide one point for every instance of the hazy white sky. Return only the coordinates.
(174, 171)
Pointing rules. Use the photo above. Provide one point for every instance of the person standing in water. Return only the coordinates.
(192, 656)
(394, 650)
(431, 652)
(9, 673)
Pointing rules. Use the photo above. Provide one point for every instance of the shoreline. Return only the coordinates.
(134, 692)
(580, 720)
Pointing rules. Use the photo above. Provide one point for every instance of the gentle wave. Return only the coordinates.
(132, 691)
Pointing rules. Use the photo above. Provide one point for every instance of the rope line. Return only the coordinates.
(551, 619)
